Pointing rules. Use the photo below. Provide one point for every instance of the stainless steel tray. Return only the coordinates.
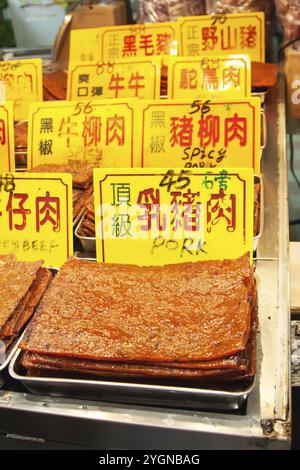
(88, 243)
(261, 94)
(262, 212)
(137, 393)
(4, 366)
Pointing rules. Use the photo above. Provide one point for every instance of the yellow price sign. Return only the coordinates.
(129, 78)
(7, 145)
(124, 41)
(23, 84)
(36, 217)
(201, 134)
(239, 33)
(101, 132)
(161, 216)
(218, 76)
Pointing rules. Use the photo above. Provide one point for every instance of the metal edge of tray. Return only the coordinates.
(260, 94)
(264, 139)
(11, 352)
(88, 243)
(137, 393)
(77, 218)
(261, 214)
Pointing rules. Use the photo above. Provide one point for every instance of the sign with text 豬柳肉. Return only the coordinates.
(128, 78)
(161, 216)
(101, 132)
(23, 84)
(7, 146)
(213, 76)
(36, 217)
(238, 33)
(124, 41)
(200, 134)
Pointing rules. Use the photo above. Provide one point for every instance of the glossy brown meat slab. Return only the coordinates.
(263, 75)
(186, 312)
(55, 85)
(82, 172)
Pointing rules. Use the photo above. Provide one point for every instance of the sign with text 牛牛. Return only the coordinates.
(23, 84)
(124, 78)
(36, 217)
(216, 76)
(161, 216)
(238, 33)
(200, 134)
(7, 146)
(101, 132)
(124, 41)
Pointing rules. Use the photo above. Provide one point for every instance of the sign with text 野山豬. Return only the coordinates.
(101, 132)
(23, 84)
(129, 78)
(200, 134)
(161, 216)
(7, 146)
(216, 76)
(124, 41)
(36, 217)
(239, 33)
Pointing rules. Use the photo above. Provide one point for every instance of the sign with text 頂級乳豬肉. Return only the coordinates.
(7, 147)
(160, 216)
(36, 217)
(101, 132)
(213, 76)
(124, 41)
(123, 78)
(22, 82)
(200, 134)
(238, 33)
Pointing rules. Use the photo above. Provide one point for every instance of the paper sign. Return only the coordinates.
(7, 145)
(216, 76)
(126, 41)
(162, 216)
(129, 78)
(23, 84)
(200, 134)
(101, 132)
(240, 33)
(36, 217)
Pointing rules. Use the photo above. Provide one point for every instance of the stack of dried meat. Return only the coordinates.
(21, 129)
(22, 285)
(184, 321)
(87, 226)
(54, 85)
(82, 177)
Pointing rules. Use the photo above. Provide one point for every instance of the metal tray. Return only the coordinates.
(261, 94)
(263, 132)
(3, 367)
(137, 393)
(88, 243)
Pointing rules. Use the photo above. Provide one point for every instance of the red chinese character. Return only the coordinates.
(2, 132)
(231, 76)
(91, 132)
(221, 207)
(185, 209)
(236, 128)
(115, 84)
(248, 36)
(149, 199)
(181, 131)
(163, 43)
(129, 46)
(209, 38)
(134, 83)
(47, 210)
(115, 129)
(147, 44)
(209, 130)
(210, 79)
(188, 79)
(229, 42)
(67, 128)
(19, 211)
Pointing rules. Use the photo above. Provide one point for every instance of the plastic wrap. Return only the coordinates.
(288, 12)
(238, 6)
(154, 11)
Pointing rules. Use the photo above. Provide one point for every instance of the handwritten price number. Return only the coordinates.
(7, 183)
(83, 107)
(178, 181)
(204, 108)
(218, 18)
